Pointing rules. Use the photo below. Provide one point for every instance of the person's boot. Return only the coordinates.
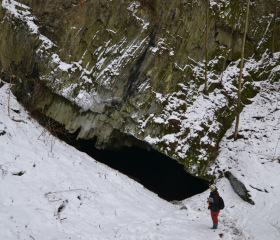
(215, 226)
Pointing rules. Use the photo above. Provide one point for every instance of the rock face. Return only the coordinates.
(109, 70)
(239, 188)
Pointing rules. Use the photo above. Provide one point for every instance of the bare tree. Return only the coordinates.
(9, 97)
(241, 72)
(13, 76)
(274, 28)
(206, 47)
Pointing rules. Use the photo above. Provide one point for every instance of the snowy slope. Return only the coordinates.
(49, 190)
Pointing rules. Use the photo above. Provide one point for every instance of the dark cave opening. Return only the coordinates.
(155, 171)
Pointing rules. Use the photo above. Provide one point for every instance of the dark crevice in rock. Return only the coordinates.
(35, 71)
(136, 70)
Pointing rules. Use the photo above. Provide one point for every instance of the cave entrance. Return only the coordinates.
(155, 171)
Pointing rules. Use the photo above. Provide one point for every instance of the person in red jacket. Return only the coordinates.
(213, 202)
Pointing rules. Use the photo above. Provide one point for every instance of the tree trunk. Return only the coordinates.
(9, 97)
(241, 71)
(206, 47)
(274, 28)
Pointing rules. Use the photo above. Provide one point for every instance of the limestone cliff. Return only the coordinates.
(110, 69)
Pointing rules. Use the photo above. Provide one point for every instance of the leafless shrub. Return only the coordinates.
(56, 130)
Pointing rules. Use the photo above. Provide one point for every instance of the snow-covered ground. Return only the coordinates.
(49, 190)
